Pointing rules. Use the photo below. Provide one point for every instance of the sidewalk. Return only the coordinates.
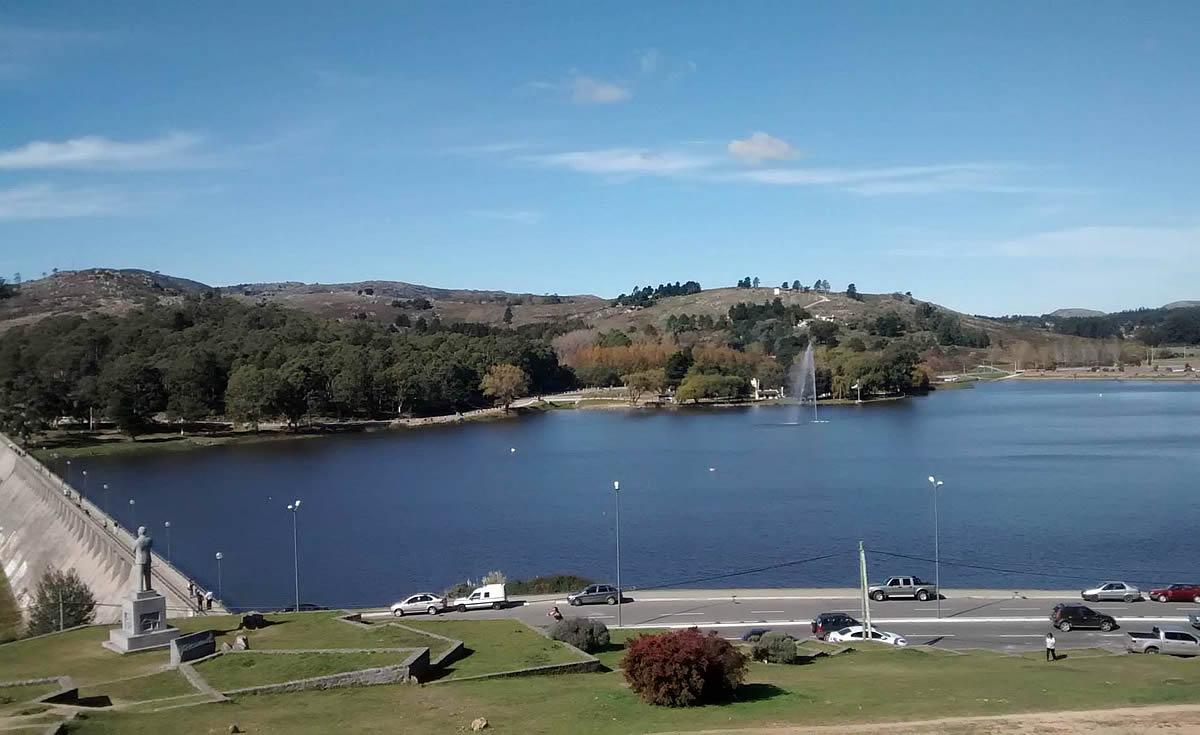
(808, 593)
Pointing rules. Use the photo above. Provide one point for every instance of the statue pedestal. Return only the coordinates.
(143, 624)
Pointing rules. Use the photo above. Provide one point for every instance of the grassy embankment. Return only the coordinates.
(859, 687)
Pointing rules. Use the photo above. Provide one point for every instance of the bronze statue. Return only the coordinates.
(141, 559)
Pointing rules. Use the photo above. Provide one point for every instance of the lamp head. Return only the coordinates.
(616, 485)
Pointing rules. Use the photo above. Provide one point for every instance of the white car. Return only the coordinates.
(489, 595)
(856, 633)
(422, 602)
(1113, 592)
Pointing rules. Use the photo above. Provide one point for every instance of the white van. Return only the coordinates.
(489, 595)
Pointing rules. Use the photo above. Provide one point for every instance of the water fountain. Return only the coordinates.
(802, 383)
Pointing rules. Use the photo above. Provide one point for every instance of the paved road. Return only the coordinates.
(991, 619)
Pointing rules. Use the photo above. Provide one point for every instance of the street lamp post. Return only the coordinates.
(84, 493)
(167, 525)
(294, 508)
(219, 557)
(620, 589)
(68, 472)
(105, 487)
(937, 559)
(133, 510)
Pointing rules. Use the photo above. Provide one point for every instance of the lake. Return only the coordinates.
(1047, 485)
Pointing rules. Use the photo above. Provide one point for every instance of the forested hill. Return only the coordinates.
(209, 356)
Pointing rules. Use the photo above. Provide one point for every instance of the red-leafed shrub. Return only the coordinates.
(683, 668)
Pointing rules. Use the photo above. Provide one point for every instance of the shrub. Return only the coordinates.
(683, 668)
(546, 585)
(496, 577)
(586, 635)
(775, 647)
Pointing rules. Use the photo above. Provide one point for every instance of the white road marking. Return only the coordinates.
(924, 609)
(683, 613)
(1020, 608)
(594, 617)
(767, 612)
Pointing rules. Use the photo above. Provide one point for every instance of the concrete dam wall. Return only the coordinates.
(44, 523)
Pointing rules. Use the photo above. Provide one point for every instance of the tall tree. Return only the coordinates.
(756, 282)
(505, 383)
(508, 315)
(135, 393)
(250, 395)
(61, 601)
(647, 381)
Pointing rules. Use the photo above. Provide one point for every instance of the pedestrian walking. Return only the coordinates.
(191, 588)
(199, 599)
(208, 599)
(1050, 654)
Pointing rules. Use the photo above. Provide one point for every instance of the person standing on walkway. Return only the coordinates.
(208, 599)
(1050, 654)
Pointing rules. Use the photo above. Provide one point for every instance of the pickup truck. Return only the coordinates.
(1158, 640)
(903, 587)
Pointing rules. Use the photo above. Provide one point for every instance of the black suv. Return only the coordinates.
(826, 623)
(1067, 616)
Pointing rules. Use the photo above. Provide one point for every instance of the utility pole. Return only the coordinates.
(866, 599)
(60, 612)
(620, 590)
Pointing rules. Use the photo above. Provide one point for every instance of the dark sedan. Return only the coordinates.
(596, 593)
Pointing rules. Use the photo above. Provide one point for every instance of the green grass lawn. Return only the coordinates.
(237, 670)
(155, 686)
(312, 630)
(18, 699)
(862, 686)
(497, 645)
(75, 653)
(611, 656)
(10, 618)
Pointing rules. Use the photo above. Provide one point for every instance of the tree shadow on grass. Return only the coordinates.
(757, 692)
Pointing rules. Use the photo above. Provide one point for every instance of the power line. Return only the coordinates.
(985, 567)
(740, 572)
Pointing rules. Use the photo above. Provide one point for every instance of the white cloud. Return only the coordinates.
(95, 152)
(649, 60)
(761, 147)
(522, 216)
(1176, 244)
(624, 161)
(45, 201)
(589, 91)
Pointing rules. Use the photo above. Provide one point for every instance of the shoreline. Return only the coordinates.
(96, 444)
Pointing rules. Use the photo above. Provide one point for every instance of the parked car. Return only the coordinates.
(1164, 640)
(489, 595)
(422, 602)
(595, 593)
(754, 634)
(826, 623)
(1177, 593)
(858, 633)
(1112, 592)
(1071, 615)
(903, 587)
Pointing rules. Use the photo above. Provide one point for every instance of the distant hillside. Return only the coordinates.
(108, 290)
(1068, 313)
(1181, 304)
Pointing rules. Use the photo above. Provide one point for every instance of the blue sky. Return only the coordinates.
(1017, 157)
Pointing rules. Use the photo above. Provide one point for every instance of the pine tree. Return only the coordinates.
(62, 601)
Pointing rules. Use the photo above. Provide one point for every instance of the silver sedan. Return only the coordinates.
(422, 602)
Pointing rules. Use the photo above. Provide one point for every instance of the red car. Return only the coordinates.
(1177, 593)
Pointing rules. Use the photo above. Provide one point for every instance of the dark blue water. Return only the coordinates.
(1050, 484)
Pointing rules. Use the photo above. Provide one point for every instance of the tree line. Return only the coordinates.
(215, 357)
(649, 294)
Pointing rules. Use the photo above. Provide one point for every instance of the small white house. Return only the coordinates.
(764, 394)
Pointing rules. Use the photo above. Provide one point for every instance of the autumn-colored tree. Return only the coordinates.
(505, 383)
(683, 668)
(647, 381)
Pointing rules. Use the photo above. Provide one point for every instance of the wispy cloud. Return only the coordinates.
(648, 60)
(522, 216)
(585, 90)
(624, 161)
(1081, 244)
(176, 150)
(589, 91)
(760, 147)
(23, 50)
(702, 164)
(46, 201)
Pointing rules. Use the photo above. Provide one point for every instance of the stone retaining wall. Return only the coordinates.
(412, 669)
